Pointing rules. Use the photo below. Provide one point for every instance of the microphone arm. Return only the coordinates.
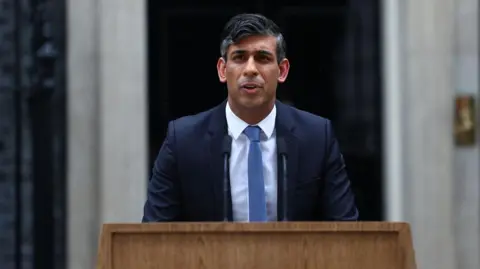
(282, 151)
(226, 149)
(285, 188)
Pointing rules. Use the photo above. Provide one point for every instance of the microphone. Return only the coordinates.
(282, 152)
(226, 149)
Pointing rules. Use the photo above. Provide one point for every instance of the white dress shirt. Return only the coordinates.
(239, 164)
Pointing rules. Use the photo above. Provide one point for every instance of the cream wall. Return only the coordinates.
(431, 54)
(107, 115)
(467, 159)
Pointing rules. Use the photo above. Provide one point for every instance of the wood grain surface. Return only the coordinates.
(342, 245)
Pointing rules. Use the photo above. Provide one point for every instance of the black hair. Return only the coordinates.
(247, 24)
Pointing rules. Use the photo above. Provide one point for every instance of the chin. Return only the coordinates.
(253, 102)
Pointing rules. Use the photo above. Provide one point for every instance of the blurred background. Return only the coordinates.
(87, 88)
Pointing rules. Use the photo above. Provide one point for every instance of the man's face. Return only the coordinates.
(252, 71)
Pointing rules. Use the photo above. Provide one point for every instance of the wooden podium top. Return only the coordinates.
(268, 245)
(195, 227)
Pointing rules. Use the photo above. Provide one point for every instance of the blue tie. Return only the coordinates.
(256, 186)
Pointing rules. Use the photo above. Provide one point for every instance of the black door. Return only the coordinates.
(329, 67)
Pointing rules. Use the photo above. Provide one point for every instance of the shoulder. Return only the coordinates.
(306, 121)
(315, 133)
(195, 124)
(191, 123)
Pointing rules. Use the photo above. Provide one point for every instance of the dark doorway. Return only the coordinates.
(333, 49)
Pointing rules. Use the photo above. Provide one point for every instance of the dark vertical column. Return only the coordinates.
(60, 137)
(47, 136)
(43, 224)
(18, 133)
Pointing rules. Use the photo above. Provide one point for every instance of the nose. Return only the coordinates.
(250, 68)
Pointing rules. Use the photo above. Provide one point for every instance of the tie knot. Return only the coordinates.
(253, 133)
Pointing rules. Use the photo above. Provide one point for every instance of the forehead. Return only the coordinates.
(255, 43)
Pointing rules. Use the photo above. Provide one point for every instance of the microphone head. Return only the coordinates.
(281, 146)
(227, 144)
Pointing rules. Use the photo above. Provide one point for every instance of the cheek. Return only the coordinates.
(231, 74)
(231, 80)
(270, 73)
(270, 77)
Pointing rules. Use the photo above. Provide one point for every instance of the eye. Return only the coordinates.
(263, 58)
(237, 57)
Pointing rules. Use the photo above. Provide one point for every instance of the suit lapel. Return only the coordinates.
(216, 130)
(284, 125)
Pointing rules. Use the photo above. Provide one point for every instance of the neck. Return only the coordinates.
(251, 116)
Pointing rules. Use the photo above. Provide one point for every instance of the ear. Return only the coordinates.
(221, 66)
(284, 68)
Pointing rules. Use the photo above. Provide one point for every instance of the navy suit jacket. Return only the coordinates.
(187, 177)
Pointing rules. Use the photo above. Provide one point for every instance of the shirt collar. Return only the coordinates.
(236, 125)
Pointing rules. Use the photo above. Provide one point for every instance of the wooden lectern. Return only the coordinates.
(227, 245)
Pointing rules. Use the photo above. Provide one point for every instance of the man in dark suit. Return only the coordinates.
(187, 183)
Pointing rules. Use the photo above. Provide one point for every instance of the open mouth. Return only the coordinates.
(250, 87)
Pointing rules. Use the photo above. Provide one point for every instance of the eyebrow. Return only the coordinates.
(238, 52)
(263, 52)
